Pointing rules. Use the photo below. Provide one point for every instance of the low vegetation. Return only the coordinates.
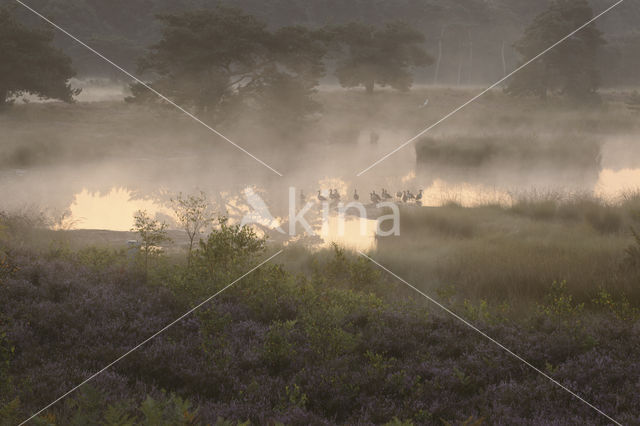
(329, 340)
(512, 253)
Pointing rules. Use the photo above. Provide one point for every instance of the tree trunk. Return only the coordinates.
(369, 86)
(190, 252)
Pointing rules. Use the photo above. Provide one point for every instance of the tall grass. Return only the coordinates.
(515, 252)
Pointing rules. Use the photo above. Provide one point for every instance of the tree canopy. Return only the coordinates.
(380, 56)
(214, 60)
(30, 64)
(570, 68)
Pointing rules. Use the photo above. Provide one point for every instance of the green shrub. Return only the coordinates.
(482, 311)
(100, 258)
(345, 270)
(228, 251)
(89, 408)
(559, 303)
(278, 349)
(620, 308)
(10, 413)
(173, 411)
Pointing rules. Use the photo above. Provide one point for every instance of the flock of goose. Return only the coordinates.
(401, 196)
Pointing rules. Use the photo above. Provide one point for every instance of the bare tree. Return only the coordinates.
(152, 233)
(194, 215)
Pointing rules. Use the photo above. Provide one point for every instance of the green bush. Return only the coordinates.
(278, 349)
(89, 407)
(621, 308)
(559, 303)
(346, 270)
(228, 251)
(100, 258)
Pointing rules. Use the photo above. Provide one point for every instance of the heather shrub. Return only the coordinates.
(296, 349)
(6, 353)
(10, 413)
(7, 267)
(21, 228)
(278, 348)
(9, 404)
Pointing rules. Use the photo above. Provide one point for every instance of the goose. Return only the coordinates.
(333, 194)
(410, 195)
(385, 194)
(419, 196)
(399, 194)
(405, 197)
(375, 198)
(321, 197)
(355, 195)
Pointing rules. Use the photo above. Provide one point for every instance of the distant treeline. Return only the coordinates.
(475, 37)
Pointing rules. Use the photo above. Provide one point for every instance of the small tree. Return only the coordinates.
(194, 215)
(570, 67)
(228, 250)
(152, 234)
(30, 64)
(380, 56)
